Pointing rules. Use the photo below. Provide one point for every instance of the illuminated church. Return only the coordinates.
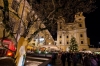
(76, 29)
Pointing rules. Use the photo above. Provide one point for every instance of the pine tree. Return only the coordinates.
(73, 45)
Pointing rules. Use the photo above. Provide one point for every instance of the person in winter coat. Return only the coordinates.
(63, 58)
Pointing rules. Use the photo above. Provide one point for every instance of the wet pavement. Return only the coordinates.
(37, 61)
(58, 63)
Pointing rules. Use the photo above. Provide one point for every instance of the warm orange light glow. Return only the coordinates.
(9, 54)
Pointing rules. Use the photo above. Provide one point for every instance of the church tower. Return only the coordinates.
(81, 31)
(61, 32)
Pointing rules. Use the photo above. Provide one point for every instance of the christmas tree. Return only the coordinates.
(73, 45)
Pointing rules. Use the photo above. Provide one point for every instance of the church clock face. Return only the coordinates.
(78, 19)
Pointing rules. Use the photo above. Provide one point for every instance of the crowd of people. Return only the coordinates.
(73, 59)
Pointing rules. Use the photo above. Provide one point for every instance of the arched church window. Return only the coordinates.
(60, 36)
(60, 42)
(79, 19)
(67, 42)
(81, 35)
(67, 36)
(80, 25)
(82, 42)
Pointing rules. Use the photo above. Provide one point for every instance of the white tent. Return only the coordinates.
(87, 51)
(51, 47)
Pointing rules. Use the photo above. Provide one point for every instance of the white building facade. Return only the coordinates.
(77, 29)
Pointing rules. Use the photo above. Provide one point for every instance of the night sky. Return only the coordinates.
(93, 26)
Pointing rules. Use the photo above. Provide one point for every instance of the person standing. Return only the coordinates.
(63, 58)
(86, 61)
(93, 62)
(69, 59)
(74, 59)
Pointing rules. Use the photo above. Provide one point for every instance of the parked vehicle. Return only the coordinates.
(8, 44)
